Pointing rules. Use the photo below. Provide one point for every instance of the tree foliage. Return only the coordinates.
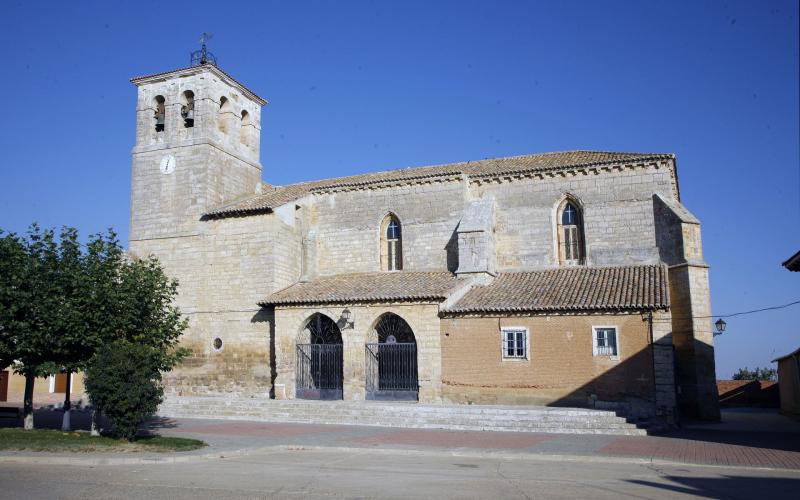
(61, 302)
(123, 380)
(756, 374)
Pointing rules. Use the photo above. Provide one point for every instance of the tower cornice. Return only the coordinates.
(194, 70)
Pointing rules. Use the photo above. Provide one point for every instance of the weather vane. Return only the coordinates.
(203, 56)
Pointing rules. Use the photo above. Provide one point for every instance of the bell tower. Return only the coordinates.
(197, 146)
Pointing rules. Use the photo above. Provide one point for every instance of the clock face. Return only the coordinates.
(167, 164)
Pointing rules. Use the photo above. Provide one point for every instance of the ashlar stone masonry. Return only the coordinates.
(483, 306)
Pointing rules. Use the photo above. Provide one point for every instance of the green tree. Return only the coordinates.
(142, 315)
(756, 374)
(124, 381)
(28, 321)
(13, 262)
(85, 282)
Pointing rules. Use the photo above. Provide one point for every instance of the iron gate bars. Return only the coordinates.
(391, 371)
(319, 371)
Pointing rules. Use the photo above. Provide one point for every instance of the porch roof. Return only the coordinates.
(619, 288)
(368, 287)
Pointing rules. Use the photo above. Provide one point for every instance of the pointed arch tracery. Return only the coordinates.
(570, 234)
(391, 243)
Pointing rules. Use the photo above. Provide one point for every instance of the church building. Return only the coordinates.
(572, 278)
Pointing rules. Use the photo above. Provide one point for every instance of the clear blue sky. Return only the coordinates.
(362, 86)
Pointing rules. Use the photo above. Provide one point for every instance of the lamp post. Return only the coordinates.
(720, 324)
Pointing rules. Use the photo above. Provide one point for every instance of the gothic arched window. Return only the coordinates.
(391, 244)
(570, 234)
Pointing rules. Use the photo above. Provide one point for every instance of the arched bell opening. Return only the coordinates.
(187, 108)
(159, 105)
(391, 363)
(319, 359)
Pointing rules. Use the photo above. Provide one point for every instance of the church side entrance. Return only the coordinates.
(391, 363)
(319, 361)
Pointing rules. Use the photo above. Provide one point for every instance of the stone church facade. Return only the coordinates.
(572, 278)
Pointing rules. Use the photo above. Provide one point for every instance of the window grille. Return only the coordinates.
(515, 343)
(605, 341)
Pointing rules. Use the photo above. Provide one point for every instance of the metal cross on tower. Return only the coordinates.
(203, 56)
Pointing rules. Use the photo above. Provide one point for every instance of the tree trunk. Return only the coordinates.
(95, 431)
(27, 403)
(66, 425)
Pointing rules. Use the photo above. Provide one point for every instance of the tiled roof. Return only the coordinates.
(793, 262)
(571, 289)
(514, 165)
(368, 287)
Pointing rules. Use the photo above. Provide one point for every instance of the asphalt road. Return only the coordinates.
(306, 473)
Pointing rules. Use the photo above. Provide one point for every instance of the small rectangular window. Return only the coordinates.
(605, 341)
(515, 343)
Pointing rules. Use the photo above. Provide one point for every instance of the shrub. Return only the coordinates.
(123, 381)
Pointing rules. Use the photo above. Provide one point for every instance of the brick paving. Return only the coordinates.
(704, 452)
(779, 450)
(745, 449)
(452, 439)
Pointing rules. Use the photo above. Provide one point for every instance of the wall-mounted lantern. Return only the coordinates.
(720, 324)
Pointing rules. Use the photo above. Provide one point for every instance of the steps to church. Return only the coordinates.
(401, 414)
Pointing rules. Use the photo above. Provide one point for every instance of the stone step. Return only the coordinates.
(437, 416)
(408, 415)
(377, 408)
(455, 420)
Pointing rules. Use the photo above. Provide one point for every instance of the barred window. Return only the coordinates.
(605, 341)
(515, 343)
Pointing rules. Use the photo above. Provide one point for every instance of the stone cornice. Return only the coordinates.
(193, 70)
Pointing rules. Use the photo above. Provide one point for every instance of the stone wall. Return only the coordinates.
(618, 216)
(617, 219)
(347, 226)
(422, 318)
(223, 272)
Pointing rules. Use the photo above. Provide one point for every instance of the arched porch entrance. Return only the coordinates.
(319, 362)
(391, 362)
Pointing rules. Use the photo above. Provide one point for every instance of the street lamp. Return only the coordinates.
(720, 324)
(346, 319)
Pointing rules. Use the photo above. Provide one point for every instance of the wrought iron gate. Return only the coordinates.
(392, 371)
(319, 371)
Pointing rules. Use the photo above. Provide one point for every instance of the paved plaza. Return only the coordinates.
(751, 454)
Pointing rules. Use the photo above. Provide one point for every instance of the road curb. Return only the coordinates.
(74, 460)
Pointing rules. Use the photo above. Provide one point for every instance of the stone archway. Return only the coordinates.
(319, 359)
(391, 363)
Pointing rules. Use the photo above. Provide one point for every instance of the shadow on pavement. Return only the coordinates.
(155, 424)
(728, 486)
(752, 427)
(767, 440)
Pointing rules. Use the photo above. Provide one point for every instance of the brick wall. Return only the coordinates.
(560, 369)
(758, 393)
